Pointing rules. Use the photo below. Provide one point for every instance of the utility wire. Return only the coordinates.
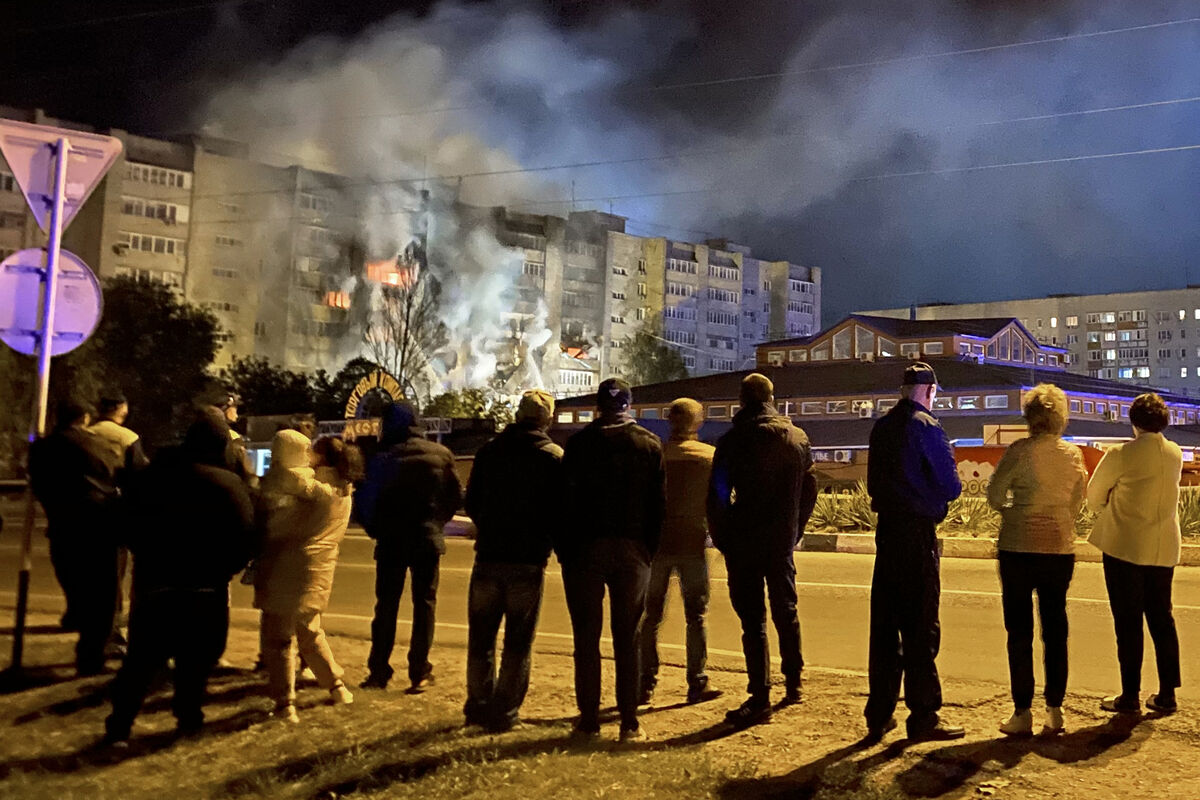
(135, 15)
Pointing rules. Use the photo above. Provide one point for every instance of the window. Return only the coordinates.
(144, 173)
(1054, 322)
(730, 273)
(969, 403)
(641, 266)
(943, 403)
(641, 290)
(584, 416)
(566, 417)
(640, 313)
(995, 401)
(228, 241)
(717, 411)
(1110, 336)
(533, 268)
(1073, 405)
(585, 249)
(337, 299)
(1073, 321)
(169, 213)
(217, 305)
(775, 358)
(680, 312)
(680, 289)
(312, 202)
(8, 183)
(797, 355)
(1100, 408)
(1110, 355)
(648, 413)
(680, 337)
(723, 318)
(618, 295)
(228, 207)
(820, 353)
(151, 244)
(219, 272)
(619, 271)
(810, 408)
(722, 295)
(1088, 406)
(864, 342)
(575, 377)
(1072, 338)
(689, 361)
(836, 407)
(887, 348)
(933, 348)
(579, 300)
(722, 364)
(910, 349)
(841, 344)
(619, 319)
(802, 287)
(1183, 313)
(1183, 372)
(1127, 372)
(681, 265)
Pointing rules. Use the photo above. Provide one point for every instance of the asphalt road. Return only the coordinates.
(833, 590)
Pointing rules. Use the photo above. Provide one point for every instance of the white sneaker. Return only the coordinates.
(340, 696)
(1019, 724)
(1054, 721)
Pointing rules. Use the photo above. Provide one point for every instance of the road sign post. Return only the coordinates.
(56, 179)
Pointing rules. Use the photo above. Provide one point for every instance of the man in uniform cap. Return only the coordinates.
(760, 497)
(614, 467)
(513, 499)
(911, 477)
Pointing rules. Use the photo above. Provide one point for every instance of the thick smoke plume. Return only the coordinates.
(780, 124)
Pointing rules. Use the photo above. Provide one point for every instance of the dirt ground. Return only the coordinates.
(390, 744)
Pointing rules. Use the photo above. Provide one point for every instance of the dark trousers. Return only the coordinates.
(747, 576)
(513, 593)
(623, 566)
(392, 564)
(1048, 574)
(905, 632)
(86, 568)
(188, 626)
(1135, 591)
(693, 585)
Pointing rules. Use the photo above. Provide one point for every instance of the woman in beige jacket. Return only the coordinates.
(1038, 488)
(306, 514)
(1135, 490)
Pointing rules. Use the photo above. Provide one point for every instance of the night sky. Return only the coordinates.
(884, 153)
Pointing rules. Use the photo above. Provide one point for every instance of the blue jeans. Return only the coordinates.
(512, 592)
(693, 585)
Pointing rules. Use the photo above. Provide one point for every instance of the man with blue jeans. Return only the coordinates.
(681, 550)
(511, 498)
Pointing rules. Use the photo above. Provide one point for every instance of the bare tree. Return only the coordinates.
(405, 330)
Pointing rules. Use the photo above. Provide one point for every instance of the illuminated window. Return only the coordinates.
(337, 299)
(933, 348)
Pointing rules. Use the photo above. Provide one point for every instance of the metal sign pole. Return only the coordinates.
(42, 393)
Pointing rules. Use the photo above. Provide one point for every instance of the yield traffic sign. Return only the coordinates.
(30, 153)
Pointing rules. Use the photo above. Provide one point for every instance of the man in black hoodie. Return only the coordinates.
(191, 531)
(615, 469)
(409, 495)
(73, 476)
(760, 497)
(513, 496)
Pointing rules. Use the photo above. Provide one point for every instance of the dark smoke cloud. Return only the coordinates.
(787, 165)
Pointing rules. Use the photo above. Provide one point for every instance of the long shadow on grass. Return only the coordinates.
(220, 691)
(938, 772)
(96, 754)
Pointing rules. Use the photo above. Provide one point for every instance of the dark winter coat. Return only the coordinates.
(616, 486)
(74, 478)
(513, 496)
(911, 468)
(192, 519)
(762, 490)
(411, 490)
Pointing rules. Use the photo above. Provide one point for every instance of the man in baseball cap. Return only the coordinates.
(911, 477)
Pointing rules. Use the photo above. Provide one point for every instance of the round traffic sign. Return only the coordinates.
(77, 306)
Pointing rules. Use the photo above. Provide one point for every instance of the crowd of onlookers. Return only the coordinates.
(622, 511)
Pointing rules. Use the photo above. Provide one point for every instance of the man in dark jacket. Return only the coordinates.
(760, 497)
(911, 477)
(74, 477)
(192, 530)
(410, 493)
(512, 498)
(614, 468)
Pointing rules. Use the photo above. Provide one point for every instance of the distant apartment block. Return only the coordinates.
(1147, 338)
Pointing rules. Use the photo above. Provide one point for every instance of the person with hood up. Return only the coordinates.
(617, 465)
(73, 476)
(513, 500)
(760, 497)
(411, 491)
(192, 530)
(685, 532)
(304, 514)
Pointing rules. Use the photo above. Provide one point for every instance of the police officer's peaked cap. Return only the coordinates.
(918, 372)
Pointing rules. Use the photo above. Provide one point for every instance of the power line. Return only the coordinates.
(161, 12)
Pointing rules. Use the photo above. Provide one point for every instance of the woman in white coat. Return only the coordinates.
(1135, 490)
(306, 513)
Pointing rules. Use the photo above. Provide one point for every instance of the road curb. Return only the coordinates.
(957, 547)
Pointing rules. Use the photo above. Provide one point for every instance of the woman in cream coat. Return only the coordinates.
(1135, 490)
(1046, 478)
(306, 515)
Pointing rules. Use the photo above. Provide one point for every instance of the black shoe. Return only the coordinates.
(752, 712)
(793, 694)
(702, 694)
(646, 697)
(1120, 704)
(1163, 704)
(374, 682)
(585, 731)
(875, 733)
(939, 732)
(420, 685)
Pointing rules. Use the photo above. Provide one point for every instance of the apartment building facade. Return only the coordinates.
(1147, 338)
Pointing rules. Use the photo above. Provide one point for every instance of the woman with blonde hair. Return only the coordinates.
(1038, 488)
(1135, 490)
(306, 513)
